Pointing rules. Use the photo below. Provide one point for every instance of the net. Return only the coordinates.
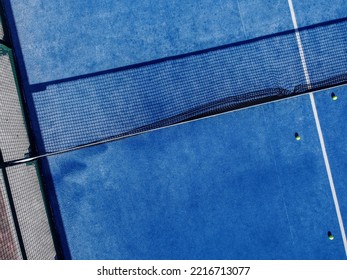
(24, 230)
(139, 98)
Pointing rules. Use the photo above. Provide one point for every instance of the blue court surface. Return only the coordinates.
(236, 185)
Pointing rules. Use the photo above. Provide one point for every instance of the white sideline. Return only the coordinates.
(319, 129)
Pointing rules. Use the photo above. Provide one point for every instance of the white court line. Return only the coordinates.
(319, 129)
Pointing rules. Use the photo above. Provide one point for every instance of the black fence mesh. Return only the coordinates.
(24, 230)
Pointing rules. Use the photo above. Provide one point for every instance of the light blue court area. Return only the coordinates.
(80, 38)
(332, 115)
(316, 11)
(235, 186)
(238, 185)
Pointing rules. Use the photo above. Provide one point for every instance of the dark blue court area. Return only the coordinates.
(223, 122)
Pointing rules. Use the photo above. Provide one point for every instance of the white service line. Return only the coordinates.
(319, 129)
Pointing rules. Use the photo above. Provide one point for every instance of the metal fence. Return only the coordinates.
(25, 231)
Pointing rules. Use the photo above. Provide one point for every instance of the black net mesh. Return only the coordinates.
(24, 230)
(135, 99)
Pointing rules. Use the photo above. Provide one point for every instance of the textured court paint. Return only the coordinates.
(73, 195)
(261, 17)
(313, 48)
(332, 115)
(68, 38)
(102, 106)
(309, 195)
(260, 195)
(65, 38)
(329, 172)
(317, 121)
(315, 11)
(150, 93)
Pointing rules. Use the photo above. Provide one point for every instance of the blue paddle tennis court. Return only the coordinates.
(187, 129)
